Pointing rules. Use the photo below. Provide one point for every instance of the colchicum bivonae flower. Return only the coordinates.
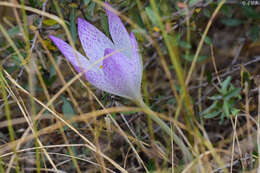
(120, 72)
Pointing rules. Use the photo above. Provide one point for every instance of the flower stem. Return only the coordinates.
(166, 128)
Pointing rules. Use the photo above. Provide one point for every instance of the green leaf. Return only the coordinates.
(135, 16)
(209, 76)
(32, 3)
(113, 115)
(232, 102)
(193, 2)
(184, 44)
(211, 107)
(52, 71)
(129, 112)
(151, 166)
(86, 2)
(139, 34)
(222, 116)
(227, 10)
(250, 12)
(216, 97)
(139, 31)
(231, 22)
(125, 3)
(208, 40)
(152, 16)
(104, 24)
(12, 69)
(17, 60)
(49, 81)
(172, 101)
(211, 115)
(235, 92)
(191, 57)
(235, 111)
(49, 22)
(67, 109)
(206, 12)
(73, 5)
(225, 84)
(13, 31)
(73, 29)
(175, 40)
(226, 108)
(90, 10)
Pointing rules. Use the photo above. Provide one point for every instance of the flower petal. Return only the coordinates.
(94, 75)
(75, 58)
(119, 74)
(118, 33)
(93, 41)
(97, 78)
(136, 59)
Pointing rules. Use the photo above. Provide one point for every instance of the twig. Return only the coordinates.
(242, 42)
(238, 67)
(124, 119)
(229, 165)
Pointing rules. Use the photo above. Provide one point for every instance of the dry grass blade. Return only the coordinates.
(90, 145)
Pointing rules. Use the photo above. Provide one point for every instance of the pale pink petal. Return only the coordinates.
(93, 41)
(118, 32)
(120, 74)
(75, 58)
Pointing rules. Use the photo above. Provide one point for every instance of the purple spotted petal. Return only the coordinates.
(93, 41)
(97, 78)
(75, 58)
(118, 33)
(119, 74)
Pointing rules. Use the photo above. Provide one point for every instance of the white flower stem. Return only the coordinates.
(166, 128)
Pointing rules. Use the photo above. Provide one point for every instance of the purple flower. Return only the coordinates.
(120, 72)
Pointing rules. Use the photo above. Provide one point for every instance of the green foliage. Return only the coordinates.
(250, 12)
(49, 22)
(86, 2)
(193, 2)
(254, 33)
(208, 40)
(90, 10)
(191, 57)
(152, 16)
(151, 166)
(67, 109)
(231, 22)
(223, 102)
(14, 31)
(178, 41)
(73, 29)
(227, 10)
(104, 24)
(206, 12)
(48, 77)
